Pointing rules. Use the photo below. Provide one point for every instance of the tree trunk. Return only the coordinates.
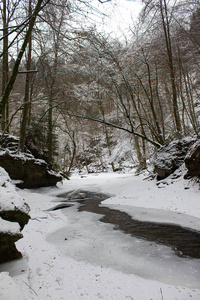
(73, 153)
(27, 95)
(10, 84)
(50, 108)
(50, 130)
(109, 147)
(166, 28)
(5, 68)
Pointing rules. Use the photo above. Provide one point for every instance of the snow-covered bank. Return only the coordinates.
(10, 199)
(52, 274)
(177, 203)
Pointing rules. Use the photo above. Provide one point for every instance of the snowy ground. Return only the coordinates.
(72, 256)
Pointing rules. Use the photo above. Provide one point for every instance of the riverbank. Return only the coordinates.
(48, 273)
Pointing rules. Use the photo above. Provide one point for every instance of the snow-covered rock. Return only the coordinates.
(13, 217)
(9, 197)
(9, 227)
(32, 172)
(192, 161)
(171, 157)
(9, 234)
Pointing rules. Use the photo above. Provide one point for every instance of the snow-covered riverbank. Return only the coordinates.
(50, 272)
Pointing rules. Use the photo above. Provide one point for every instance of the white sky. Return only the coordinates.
(119, 15)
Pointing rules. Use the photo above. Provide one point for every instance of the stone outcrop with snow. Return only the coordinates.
(192, 161)
(13, 217)
(172, 156)
(31, 172)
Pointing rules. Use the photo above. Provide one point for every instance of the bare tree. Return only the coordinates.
(27, 92)
(7, 12)
(164, 11)
(10, 84)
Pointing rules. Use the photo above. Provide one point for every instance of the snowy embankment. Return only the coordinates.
(10, 201)
(47, 272)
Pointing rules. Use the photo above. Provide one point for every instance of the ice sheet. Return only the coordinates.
(106, 247)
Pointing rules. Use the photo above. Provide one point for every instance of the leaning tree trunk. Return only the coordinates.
(10, 84)
(27, 95)
(4, 112)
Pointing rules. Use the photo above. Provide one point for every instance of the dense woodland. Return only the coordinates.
(73, 93)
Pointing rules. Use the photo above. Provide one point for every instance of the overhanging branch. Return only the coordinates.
(157, 145)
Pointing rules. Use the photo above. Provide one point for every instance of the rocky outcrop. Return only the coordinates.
(32, 173)
(171, 157)
(24, 167)
(192, 161)
(10, 142)
(8, 250)
(13, 217)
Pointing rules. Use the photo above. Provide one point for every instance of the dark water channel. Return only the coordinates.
(185, 242)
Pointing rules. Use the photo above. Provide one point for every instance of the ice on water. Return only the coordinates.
(85, 238)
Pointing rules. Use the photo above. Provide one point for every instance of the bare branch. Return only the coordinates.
(157, 145)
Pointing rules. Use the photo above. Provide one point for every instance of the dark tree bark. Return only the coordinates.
(27, 94)
(166, 29)
(10, 84)
(5, 64)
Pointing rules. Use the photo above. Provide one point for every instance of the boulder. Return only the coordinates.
(32, 173)
(13, 217)
(9, 142)
(24, 167)
(171, 157)
(8, 250)
(192, 161)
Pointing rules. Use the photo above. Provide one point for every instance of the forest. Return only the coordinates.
(122, 104)
(76, 95)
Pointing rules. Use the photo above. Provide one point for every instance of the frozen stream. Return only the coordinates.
(161, 252)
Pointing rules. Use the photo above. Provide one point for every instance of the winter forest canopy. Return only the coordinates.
(73, 92)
